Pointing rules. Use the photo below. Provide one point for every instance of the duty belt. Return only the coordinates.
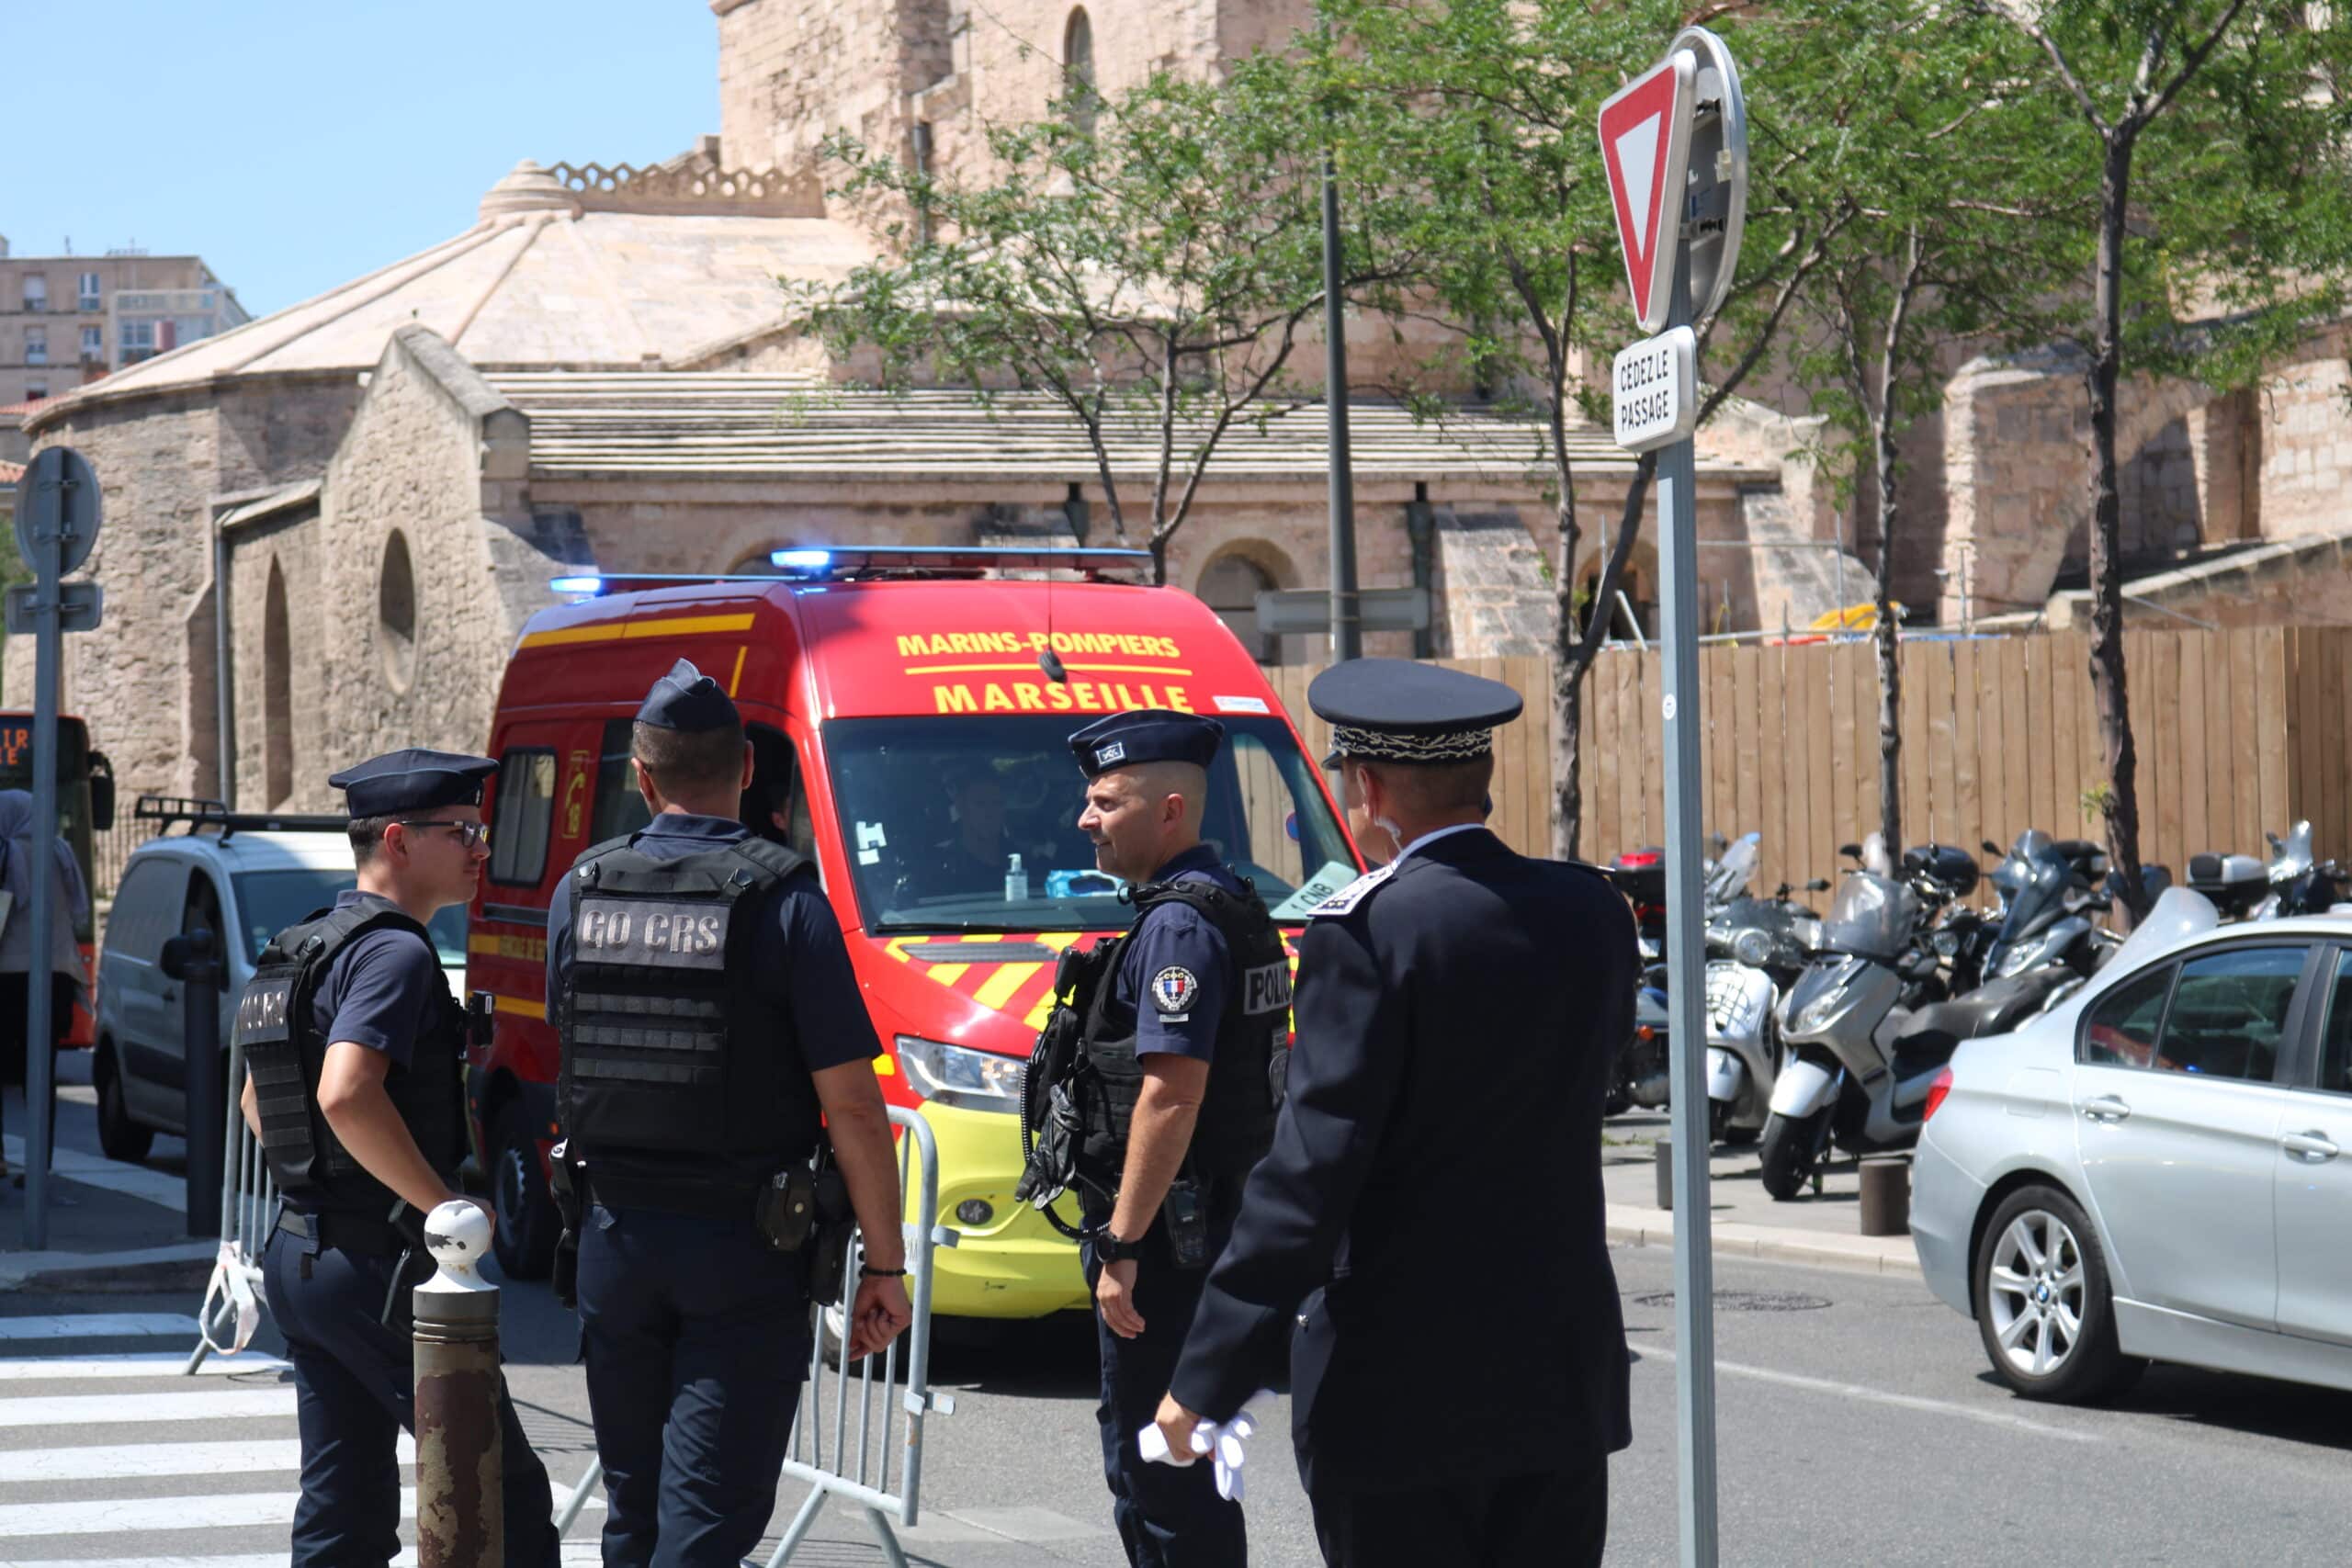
(712, 1199)
(361, 1234)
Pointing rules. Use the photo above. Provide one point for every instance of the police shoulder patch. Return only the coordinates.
(1172, 990)
(1345, 900)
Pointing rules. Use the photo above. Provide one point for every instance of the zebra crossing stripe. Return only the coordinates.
(116, 1461)
(87, 1409)
(135, 1364)
(101, 1325)
(576, 1554)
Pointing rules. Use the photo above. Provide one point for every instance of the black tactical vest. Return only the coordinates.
(1237, 1120)
(277, 1027)
(674, 1061)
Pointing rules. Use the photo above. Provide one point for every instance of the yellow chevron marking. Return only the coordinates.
(1002, 985)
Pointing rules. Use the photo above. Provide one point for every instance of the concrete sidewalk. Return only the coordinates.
(1822, 1230)
(112, 1227)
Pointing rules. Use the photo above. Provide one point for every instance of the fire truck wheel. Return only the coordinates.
(527, 1224)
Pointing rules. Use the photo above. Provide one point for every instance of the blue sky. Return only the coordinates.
(294, 145)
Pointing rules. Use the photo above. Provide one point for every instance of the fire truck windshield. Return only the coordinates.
(934, 811)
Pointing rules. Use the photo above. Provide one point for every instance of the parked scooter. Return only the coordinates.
(1869, 1023)
(2294, 882)
(1644, 1074)
(1756, 949)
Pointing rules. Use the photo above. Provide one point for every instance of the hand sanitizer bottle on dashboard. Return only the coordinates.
(1016, 883)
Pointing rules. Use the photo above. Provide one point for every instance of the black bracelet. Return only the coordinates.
(871, 1272)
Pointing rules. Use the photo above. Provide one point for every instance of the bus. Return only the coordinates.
(85, 809)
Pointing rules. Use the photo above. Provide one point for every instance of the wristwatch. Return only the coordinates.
(1110, 1249)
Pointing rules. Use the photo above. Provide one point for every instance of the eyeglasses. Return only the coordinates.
(472, 835)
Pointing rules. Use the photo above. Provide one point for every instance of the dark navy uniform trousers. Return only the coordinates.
(355, 1392)
(696, 1335)
(1168, 1517)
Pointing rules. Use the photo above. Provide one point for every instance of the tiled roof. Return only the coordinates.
(596, 290)
(727, 424)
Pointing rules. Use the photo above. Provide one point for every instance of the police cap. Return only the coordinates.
(1146, 735)
(1399, 710)
(413, 780)
(688, 700)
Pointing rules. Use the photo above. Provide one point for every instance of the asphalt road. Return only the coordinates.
(1858, 1423)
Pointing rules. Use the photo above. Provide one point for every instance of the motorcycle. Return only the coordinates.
(1756, 949)
(1644, 1076)
(1873, 1019)
(2294, 882)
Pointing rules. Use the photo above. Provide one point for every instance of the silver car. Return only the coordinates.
(2152, 1171)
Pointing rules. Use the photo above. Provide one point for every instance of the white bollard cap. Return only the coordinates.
(458, 1235)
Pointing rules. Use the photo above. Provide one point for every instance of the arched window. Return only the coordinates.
(1078, 72)
(1230, 586)
(396, 612)
(277, 696)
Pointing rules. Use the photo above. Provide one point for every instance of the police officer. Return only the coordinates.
(708, 1013)
(354, 1047)
(1184, 1033)
(1439, 1144)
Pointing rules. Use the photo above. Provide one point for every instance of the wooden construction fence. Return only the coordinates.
(2239, 731)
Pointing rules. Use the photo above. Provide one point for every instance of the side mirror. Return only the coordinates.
(1991, 848)
(189, 957)
(1851, 850)
(101, 792)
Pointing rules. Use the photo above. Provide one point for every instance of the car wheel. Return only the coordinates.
(119, 1137)
(2043, 1304)
(527, 1223)
(1788, 1155)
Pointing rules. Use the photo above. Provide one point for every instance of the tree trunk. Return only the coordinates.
(1890, 661)
(2108, 677)
(1567, 695)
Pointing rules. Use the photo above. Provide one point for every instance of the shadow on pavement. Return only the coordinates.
(2258, 1407)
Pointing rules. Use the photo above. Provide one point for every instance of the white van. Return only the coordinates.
(247, 874)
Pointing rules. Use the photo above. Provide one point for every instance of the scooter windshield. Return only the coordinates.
(1733, 870)
(1871, 916)
(2038, 876)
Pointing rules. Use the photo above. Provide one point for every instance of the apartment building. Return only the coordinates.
(67, 320)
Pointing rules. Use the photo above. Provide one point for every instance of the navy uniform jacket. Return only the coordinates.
(1438, 1149)
(1175, 973)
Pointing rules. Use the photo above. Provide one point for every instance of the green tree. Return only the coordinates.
(1149, 263)
(2213, 132)
(1482, 115)
(1960, 227)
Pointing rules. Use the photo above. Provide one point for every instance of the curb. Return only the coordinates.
(1820, 1249)
(187, 1266)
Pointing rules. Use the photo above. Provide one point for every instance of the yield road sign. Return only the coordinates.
(1655, 388)
(57, 499)
(1645, 145)
(79, 606)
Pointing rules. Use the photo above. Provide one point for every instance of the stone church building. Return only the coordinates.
(363, 497)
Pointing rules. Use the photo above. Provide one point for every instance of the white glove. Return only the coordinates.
(1223, 1439)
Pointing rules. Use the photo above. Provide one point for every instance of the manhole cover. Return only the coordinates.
(1744, 1301)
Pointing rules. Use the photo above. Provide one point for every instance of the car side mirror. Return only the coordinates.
(101, 792)
(189, 957)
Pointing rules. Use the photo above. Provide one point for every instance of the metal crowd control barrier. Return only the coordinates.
(824, 1451)
(248, 1209)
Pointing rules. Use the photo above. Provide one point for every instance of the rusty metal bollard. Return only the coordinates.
(1886, 1197)
(460, 1512)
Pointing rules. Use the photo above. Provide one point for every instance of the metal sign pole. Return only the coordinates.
(40, 1077)
(1694, 1273)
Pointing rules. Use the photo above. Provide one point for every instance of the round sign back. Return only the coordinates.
(58, 500)
(1716, 212)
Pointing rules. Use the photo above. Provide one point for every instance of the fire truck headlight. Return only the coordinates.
(960, 1076)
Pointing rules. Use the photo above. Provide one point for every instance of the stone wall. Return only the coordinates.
(162, 463)
(401, 606)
